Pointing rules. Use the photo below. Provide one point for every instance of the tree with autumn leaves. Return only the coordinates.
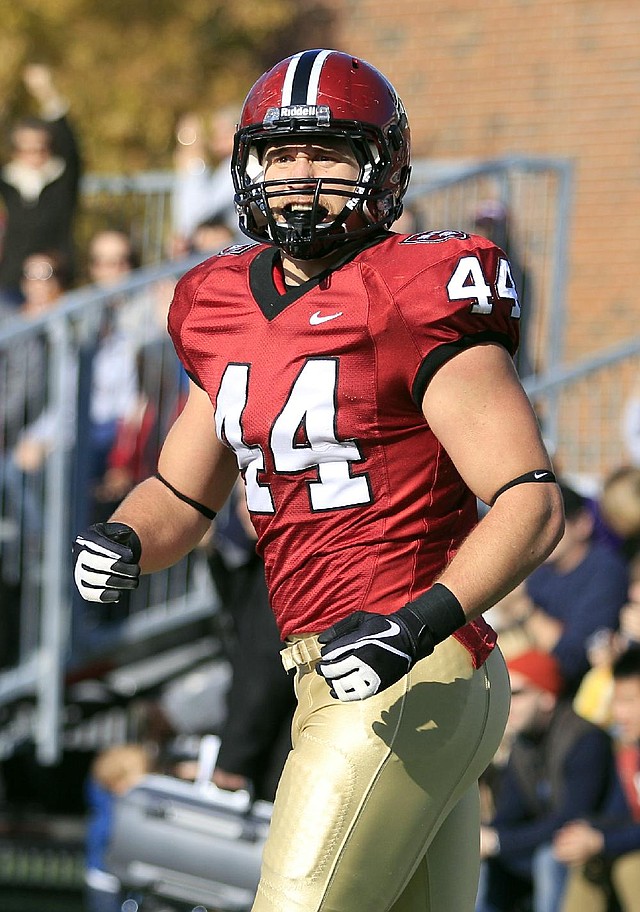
(132, 68)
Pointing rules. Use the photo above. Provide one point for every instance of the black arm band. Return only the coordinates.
(205, 511)
(441, 614)
(540, 476)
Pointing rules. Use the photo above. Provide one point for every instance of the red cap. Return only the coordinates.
(540, 668)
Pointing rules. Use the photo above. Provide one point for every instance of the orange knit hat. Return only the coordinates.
(540, 668)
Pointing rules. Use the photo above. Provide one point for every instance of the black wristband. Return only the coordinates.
(441, 614)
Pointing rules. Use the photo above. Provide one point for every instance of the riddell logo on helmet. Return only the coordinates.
(322, 113)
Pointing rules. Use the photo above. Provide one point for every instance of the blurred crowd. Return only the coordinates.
(134, 388)
(561, 801)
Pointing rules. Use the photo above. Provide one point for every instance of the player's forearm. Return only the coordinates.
(168, 529)
(514, 537)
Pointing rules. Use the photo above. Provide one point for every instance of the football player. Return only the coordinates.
(362, 383)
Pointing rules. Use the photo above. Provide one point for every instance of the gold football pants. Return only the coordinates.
(377, 809)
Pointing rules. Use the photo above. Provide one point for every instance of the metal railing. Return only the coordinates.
(582, 412)
(41, 509)
(55, 630)
(536, 195)
(141, 203)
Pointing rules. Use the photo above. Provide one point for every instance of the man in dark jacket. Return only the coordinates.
(560, 767)
(604, 854)
(39, 184)
(579, 589)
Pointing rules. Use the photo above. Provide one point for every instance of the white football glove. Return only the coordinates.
(106, 561)
(365, 653)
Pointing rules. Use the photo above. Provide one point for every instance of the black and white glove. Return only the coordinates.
(365, 653)
(106, 561)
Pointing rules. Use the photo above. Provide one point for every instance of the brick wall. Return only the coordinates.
(556, 78)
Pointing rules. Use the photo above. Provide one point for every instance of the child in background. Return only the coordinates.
(114, 771)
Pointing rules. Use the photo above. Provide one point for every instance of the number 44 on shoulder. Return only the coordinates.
(468, 282)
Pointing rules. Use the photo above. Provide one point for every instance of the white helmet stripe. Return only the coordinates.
(288, 80)
(302, 78)
(314, 78)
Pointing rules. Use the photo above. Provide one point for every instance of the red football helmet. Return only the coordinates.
(322, 93)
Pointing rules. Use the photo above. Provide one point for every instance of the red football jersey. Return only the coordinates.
(318, 390)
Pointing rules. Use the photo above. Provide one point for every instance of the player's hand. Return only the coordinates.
(106, 561)
(365, 653)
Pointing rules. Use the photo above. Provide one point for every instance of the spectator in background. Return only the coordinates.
(256, 735)
(131, 322)
(559, 767)
(111, 256)
(630, 614)
(139, 434)
(211, 236)
(579, 589)
(615, 516)
(203, 184)
(45, 278)
(604, 852)
(39, 183)
(135, 375)
(114, 771)
(141, 315)
(31, 429)
(616, 511)
(491, 219)
(28, 430)
(594, 697)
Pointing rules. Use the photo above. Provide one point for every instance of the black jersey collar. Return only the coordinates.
(267, 296)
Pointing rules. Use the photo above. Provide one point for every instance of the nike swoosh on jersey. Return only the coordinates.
(539, 475)
(316, 319)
